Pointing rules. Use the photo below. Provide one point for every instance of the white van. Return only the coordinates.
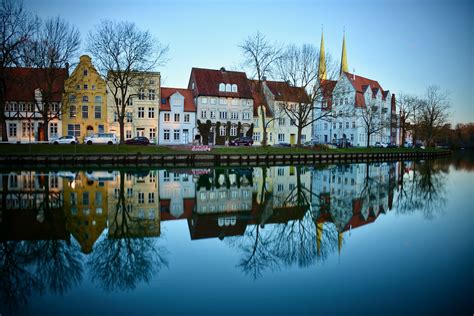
(101, 138)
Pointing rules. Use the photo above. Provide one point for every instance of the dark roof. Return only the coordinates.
(207, 225)
(259, 98)
(283, 91)
(21, 83)
(327, 88)
(166, 93)
(207, 82)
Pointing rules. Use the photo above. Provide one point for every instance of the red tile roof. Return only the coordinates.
(259, 98)
(166, 93)
(327, 88)
(207, 82)
(361, 84)
(21, 83)
(283, 91)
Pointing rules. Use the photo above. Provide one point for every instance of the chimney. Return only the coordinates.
(353, 74)
(67, 69)
(222, 69)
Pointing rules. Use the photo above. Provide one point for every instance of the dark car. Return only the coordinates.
(241, 141)
(138, 140)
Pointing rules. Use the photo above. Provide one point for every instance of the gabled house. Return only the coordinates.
(224, 101)
(177, 119)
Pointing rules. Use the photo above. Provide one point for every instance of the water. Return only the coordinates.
(385, 238)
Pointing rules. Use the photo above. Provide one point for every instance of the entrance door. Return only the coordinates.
(292, 139)
(141, 132)
(186, 136)
(89, 130)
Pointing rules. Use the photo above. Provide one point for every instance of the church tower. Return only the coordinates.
(344, 67)
(322, 74)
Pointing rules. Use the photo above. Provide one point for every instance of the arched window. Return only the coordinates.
(98, 99)
(228, 88)
(234, 88)
(221, 87)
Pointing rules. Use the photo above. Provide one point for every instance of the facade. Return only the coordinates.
(177, 117)
(351, 98)
(223, 98)
(281, 128)
(27, 92)
(85, 101)
(142, 108)
(177, 193)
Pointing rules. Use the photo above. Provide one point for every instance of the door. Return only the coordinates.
(141, 132)
(185, 136)
(292, 139)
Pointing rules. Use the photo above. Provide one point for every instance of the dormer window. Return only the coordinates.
(221, 87)
(234, 88)
(85, 72)
(228, 88)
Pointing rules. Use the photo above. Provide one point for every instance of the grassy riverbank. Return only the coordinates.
(15, 149)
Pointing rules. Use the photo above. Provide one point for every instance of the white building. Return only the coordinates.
(177, 117)
(142, 109)
(359, 107)
(177, 191)
(222, 97)
(28, 90)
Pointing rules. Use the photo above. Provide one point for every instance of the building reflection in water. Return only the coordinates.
(272, 216)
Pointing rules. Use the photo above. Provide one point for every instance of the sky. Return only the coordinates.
(406, 45)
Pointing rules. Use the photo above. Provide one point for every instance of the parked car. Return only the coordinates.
(282, 145)
(381, 145)
(101, 138)
(241, 141)
(343, 143)
(64, 140)
(392, 145)
(310, 143)
(138, 140)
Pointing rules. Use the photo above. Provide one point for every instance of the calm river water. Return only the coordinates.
(384, 238)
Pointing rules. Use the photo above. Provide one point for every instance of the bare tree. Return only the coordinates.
(16, 27)
(373, 120)
(299, 67)
(261, 56)
(409, 106)
(50, 50)
(123, 53)
(433, 113)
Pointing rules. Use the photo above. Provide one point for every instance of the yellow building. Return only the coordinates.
(85, 101)
(85, 207)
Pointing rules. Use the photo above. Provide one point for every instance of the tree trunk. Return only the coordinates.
(3, 122)
(298, 141)
(368, 140)
(264, 128)
(402, 128)
(122, 129)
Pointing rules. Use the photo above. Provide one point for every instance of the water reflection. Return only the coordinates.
(58, 227)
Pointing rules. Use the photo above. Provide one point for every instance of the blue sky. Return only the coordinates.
(406, 45)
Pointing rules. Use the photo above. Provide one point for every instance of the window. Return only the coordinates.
(228, 88)
(85, 198)
(85, 72)
(141, 112)
(152, 133)
(129, 101)
(98, 111)
(186, 118)
(85, 98)
(233, 131)
(128, 134)
(101, 128)
(12, 129)
(353, 124)
(303, 138)
(235, 101)
(151, 94)
(347, 124)
(271, 137)
(281, 121)
(222, 131)
(325, 126)
(176, 117)
(222, 101)
(234, 116)
(340, 125)
(223, 115)
(203, 100)
(246, 116)
(292, 122)
(221, 87)
(166, 134)
(85, 111)
(281, 171)
(234, 88)
(78, 87)
(213, 101)
(151, 197)
(176, 134)
(166, 117)
(85, 87)
(256, 136)
(334, 125)
(53, 129)
(93, 87)
(151, 112)
(141, 197)
(129, 116)
(74, 129)
(352, 137)
(203, 114)
(281, 137)
(118, 101)
(141, 94)
(213, 114)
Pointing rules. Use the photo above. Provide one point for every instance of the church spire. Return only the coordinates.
(344, 67)
(322, 60)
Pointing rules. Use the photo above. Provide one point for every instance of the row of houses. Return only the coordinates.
(217, 105)
(215, 203)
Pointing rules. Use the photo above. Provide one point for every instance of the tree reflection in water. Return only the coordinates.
(124, 258)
